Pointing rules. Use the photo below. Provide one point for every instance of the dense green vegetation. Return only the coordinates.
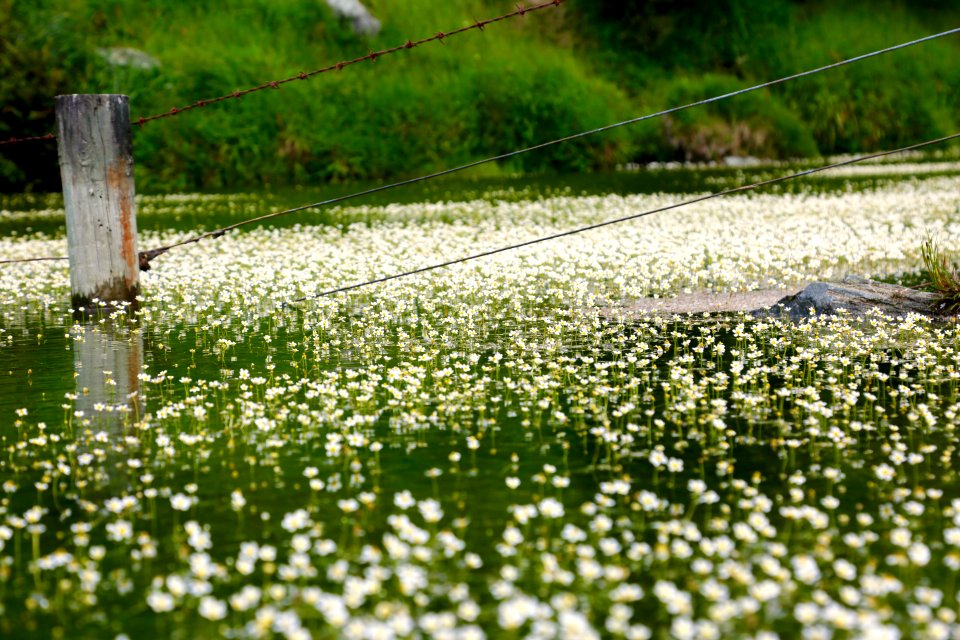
(588, 63)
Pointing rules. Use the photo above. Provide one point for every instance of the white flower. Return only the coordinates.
(550, 508)
(212, 609)
(160, 602)
(182, 502)
(296, 520)
(430, 510)
(119, 531)
(884, 472)
(404, 500)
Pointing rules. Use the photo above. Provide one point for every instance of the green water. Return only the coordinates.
(42, 213)
(513, 407)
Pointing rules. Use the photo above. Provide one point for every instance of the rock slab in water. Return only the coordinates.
(856, 296)
(699, 302)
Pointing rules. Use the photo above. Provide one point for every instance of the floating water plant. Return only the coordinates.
(491, 451)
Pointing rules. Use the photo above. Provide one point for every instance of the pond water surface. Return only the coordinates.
(485, 451)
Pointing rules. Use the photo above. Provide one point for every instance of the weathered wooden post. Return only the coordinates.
(96, 166)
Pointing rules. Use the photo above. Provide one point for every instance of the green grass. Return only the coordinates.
(518, 83)
(943, 277)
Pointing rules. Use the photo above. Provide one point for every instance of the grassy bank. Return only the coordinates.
(518, 83)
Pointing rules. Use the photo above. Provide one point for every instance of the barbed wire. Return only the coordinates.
(440, 36)
(676, 205)
(578, 230)
(49, 136)
(147, 256)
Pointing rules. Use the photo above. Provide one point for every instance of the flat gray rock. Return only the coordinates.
(856, 296)
(701, 302)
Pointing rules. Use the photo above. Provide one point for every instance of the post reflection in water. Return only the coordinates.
(107, 363)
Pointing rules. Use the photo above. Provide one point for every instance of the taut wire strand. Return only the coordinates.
(19, 260)
(440, 36)
(147, 256)
(372, 57)
(49, 136)
(676, 205)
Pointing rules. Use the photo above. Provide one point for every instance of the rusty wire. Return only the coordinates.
(49, 136)
(440, 36)
(147, 256)
(372, 56)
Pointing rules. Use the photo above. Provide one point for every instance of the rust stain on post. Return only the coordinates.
(96, 165)
(118, 182)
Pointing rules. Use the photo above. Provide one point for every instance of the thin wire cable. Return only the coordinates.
(216, 233)
(147, 256)
(755, 185)
(480, 25)
(49, 136)
(563, 234)
(19, 260)
(440, 36)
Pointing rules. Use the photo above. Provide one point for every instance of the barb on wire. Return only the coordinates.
(564, 234)
(440, 36)
(49, 136)
(147, 256)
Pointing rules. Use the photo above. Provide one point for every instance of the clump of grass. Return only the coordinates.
(944, 279)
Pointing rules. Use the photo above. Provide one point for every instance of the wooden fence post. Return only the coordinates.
(96, 166)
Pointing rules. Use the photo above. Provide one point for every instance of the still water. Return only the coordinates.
(491, 452)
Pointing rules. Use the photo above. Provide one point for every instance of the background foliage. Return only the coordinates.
(589, 63)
